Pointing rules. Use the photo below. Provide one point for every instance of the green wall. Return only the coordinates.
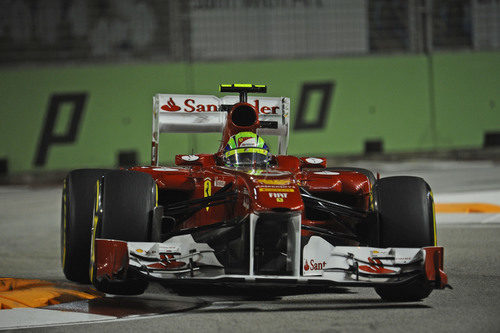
(373, 98)
(397, 99)
(467, 89)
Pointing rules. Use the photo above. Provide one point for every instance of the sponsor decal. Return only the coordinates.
(280, 197)
(314, 160)
(219, 182)
(312, 265)
(190, 105)
(164, 169)
(170, 106)
(328, 173)
(277, 195)
(207, 189)
(376, 267)
(266, 109)
(190, 158)
(274, 181)
(247, 142)
(403, 259)
(275, 189)
(381, 252)
(171, 248)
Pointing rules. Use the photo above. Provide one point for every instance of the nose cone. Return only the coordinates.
(275, 193)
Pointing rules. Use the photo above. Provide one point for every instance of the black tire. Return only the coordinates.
(405, 209)
(127, 200)
(406, 212)
(76, 222)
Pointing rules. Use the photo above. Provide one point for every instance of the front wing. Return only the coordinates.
(181, 259)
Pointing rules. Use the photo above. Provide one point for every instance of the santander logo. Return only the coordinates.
(314, 266)
(190, 105)
(170, 106)
(247, 142)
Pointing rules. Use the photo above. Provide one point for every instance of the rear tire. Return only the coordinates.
(405, 209)
(76, 222)
(127, 200)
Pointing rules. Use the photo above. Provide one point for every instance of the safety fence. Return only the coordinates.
(69, 31)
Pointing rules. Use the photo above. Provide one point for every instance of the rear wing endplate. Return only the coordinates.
(208, 114)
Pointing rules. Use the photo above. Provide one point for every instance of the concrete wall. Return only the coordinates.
(408, 103)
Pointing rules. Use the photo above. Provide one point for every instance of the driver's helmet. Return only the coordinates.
(246, 149)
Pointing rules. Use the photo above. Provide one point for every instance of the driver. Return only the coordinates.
(246, 149)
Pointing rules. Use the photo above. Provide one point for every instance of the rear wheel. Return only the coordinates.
(76, 222)
(125, 203)
(405, 209)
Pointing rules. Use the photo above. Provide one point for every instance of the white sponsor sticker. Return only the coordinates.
(165, 169)
(248, 142)
(314, 160)
(190, 158)
(329, 173)
(219, 182)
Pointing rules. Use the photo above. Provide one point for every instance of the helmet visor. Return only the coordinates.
(247, 156)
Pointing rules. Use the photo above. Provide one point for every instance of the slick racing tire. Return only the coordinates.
(125, 202)
(406, 216)
(76, 222)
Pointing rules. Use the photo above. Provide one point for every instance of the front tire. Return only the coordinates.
(406, 218)
(125, 202)
(76, 222)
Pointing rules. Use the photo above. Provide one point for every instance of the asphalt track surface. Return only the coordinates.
(29, 248)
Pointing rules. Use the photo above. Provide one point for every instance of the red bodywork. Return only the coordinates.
(264, 190)
(259, 190)
(277, 187)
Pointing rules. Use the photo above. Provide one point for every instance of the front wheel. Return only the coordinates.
(406, 218)
(125, 202)
(76, 222)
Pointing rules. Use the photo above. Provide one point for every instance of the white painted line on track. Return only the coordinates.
(469, 218)
(491, 197)
(33, 317)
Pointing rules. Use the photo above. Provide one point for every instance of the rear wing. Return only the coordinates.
(208, 114)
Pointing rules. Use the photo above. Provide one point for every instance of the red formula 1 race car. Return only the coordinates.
(244, 216)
